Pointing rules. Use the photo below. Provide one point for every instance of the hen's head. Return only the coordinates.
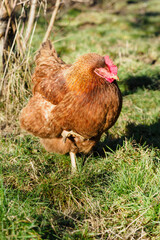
(108, 71)
(90, 69)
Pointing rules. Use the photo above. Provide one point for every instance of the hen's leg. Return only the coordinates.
(58, 145)
(73, 162)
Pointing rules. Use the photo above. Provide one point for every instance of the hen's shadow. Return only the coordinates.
(132, 83)
(141, 133)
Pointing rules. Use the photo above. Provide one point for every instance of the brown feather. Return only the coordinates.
(71, 98)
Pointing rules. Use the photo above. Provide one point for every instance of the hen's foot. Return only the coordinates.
(66, 134)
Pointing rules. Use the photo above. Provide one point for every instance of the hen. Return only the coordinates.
(72, 105)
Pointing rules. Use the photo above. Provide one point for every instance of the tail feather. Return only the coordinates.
(47, 61)
(47, 55)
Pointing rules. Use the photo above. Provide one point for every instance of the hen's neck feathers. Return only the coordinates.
(81, 82)
(80, 77)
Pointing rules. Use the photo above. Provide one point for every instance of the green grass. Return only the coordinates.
(110, 196)
(116, 192)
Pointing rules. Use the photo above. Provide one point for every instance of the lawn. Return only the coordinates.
(116, 192)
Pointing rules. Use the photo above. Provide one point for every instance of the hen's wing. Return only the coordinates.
(88, 114)
(78, 113)
(35, 118)
(48, 78)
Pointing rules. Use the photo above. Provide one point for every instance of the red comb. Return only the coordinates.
(111, 66)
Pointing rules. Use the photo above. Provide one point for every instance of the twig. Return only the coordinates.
(30, 21)
(52, 20)
(11, 49)
(23, 2)
(8, 25)
(31, 38)
(9, 11)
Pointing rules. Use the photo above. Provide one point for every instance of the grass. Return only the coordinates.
(117, 195)
(116, 192)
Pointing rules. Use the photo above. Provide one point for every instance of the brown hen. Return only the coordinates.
(72, 105)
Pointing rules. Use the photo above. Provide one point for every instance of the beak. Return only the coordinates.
(116, 77)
